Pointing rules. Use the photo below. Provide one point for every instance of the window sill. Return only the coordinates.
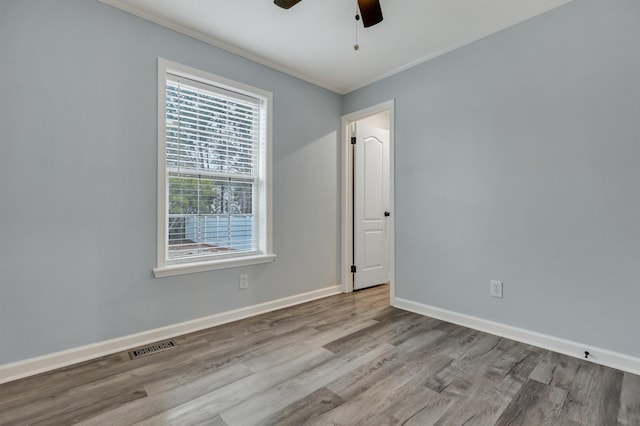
(191, 268)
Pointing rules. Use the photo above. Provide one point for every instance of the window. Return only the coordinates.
(213, 172)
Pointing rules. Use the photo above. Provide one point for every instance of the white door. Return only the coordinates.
(371, 206)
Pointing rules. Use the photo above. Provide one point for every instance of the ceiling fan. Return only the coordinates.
(369, 9)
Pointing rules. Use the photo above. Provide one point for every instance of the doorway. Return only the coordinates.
(368, 198)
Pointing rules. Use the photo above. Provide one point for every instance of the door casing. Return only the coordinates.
(347, 192)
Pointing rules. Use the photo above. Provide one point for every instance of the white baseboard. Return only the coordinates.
(575, 349)
(29, 367)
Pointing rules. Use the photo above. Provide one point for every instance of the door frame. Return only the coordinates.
(347, 192)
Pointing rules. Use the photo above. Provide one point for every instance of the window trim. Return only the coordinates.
(165, 267)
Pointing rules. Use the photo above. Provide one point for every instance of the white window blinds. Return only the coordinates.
(212, 142)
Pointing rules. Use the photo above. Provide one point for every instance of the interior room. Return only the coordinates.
(425, 213)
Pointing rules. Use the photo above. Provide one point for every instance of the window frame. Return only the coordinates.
(264, 254)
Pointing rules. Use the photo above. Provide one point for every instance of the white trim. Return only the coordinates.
(42, 364)
(198, 35)
(472, 39)
(126, 7)
(347, 191)
(191, 268)
(567, 347)
(165, 267)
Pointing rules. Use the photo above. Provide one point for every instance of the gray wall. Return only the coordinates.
(78, 180)
(518, 159)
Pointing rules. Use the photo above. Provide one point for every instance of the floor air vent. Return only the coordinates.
(152, 349)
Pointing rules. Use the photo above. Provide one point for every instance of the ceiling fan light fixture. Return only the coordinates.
(286, 4)
(371, 12)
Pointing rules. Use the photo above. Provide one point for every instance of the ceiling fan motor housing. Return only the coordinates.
(369, 9)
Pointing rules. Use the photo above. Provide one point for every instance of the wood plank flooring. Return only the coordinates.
(344, 360)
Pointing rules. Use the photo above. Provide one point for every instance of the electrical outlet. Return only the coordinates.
(495, 289)
(244, 282)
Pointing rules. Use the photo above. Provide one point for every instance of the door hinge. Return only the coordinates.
(353, 269)
(353, 140)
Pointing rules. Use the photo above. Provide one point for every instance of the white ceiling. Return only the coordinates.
(314, 39)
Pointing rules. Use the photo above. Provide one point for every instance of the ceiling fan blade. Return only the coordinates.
(286, 4)
(370, 11)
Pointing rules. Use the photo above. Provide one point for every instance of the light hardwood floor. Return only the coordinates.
(343, 360)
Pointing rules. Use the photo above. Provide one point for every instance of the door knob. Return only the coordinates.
(387, 214)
